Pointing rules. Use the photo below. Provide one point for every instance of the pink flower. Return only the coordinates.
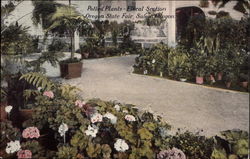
(31, 132)
(130, 118)
(49, 94)
(24, 154)
(79, 103)
(173, 153)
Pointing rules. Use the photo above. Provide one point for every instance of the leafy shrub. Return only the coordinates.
(8, 133)
(16, 40)
(231, 144)
(193, 145)
(153, 61)
(179, 64)
(58, 45)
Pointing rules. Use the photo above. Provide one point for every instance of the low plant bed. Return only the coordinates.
(195, 66)
(109, 130)
(217, 84)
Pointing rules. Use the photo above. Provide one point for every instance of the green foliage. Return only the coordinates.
(42, 12)
(154, 60)
(67, 152)
(238, 142)
(241, 6)
(37, 150)
(209, 46)
(16, 40)
(193, 145)
(58, 45)
(154, 19)
(179, 64)
(8, 133)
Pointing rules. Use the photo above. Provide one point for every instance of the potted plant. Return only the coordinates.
(229, 78)
(244, 78)
(199, 76)
(67, 20)
(183, 74)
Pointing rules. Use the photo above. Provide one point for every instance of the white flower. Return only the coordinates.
(8, 108)
(39, 89)
(125, 111)
(112, 118)
(130, 118)
(148, 63)
(13, 146)
(92, 131)
(63, 128)
(145, 72)
(96, 118)
(117, 107)
(153, 61)
(121, 146)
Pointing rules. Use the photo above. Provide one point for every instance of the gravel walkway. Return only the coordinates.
(183, 105)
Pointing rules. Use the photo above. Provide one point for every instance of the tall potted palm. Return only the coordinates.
(67, 20)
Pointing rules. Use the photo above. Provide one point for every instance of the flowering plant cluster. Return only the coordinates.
(31, 132)
(100, 129)
(24, 154)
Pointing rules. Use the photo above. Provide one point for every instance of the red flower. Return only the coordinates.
(24, 154)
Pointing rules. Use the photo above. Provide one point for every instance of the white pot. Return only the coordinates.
(183, 79)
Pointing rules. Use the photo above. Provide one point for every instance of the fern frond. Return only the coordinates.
(38, 80)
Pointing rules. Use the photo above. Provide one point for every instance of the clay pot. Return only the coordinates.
(244, 84)
(86, 55)
(219, 76)
(228, 84)
(212, 78)
(199, 80)
(23, 115)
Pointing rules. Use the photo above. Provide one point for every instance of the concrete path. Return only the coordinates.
(183, 105)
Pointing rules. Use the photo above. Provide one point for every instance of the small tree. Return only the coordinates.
(67, 20)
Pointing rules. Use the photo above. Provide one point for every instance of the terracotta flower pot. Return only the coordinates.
(244, 84)
(212, 78)
(219, 76)
(199, 80)
(23, 115)
(86, 55)
(228, 84)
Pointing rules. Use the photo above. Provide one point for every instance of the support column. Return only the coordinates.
(172, 25)
(76, 40)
